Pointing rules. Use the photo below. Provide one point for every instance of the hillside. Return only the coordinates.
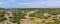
(30, 15)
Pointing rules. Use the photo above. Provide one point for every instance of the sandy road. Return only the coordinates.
(27, 21)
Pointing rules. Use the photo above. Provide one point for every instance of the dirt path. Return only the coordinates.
(7, 15)
(28, 13)
(27, 21)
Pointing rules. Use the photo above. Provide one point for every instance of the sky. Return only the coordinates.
(29, 3)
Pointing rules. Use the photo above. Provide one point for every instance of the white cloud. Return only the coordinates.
(24, 3)
(27, 3)
(45, 4)
(42, 4)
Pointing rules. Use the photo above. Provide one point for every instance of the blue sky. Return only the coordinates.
(30, 3)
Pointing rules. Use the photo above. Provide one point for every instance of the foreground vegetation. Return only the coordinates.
(41, 16)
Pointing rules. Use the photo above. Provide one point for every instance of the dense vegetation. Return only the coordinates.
(2, 12)
(18, 15)
(41, 11)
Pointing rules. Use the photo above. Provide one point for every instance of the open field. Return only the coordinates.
(30, 16)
